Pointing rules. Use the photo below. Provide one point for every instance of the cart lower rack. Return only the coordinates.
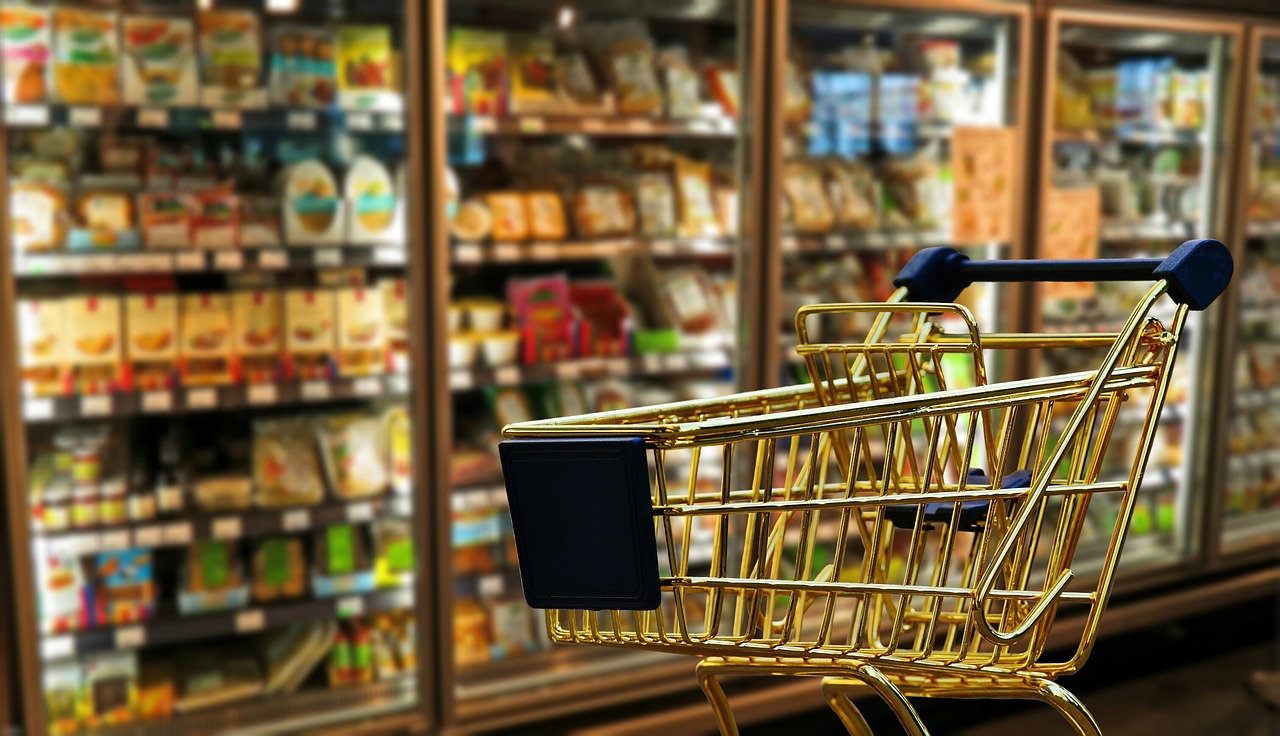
(898, 524)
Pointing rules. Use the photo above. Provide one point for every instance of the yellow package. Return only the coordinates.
(510, 219)
(205, 351)
(309, 332)
(42, 332)
(546, 216)
(697, 214)
(366, 67)
(151, 347)
(257, 342)
(86, 57)
(37, 214)
(93, 328)
(362, 341)
(811, 210)
(395, 315)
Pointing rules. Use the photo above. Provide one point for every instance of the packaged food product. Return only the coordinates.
(545, 317)
(205, 349)
(852, 186)
(286, 470)
(104, 219)
(157, 690)
(211, 679)
(470, 633)
(86, 56)
(726, 201)
(811, 211)
(726, 87)
(166, 219)
(259, 222)
(693, 190)
(313, 213)
(302, 66)
(111, 682)
(151, 350)
(230, 59)
(691, 299)
(372, 202)
(37, 213)
(93, 328)
(212, 566)
(510, 628)
(473, 222)
(160, 61)
(228, 492)
(62, 594)
(510, 218)
(656, 204)
(395, 318)
(546, 216)
(44, 344)
(626, 53)
(500, 348)
(797, 106)
(256, 318)
(28, 44)
(125, 588)
(309, 332)
(397, 430)
(366, 68)
(681, 82)
(339, 669)
(354, 455)
(341, 549)
(915, 185)
(291, 653)
(579, 92)
(362, 339)
(39, 170)
(533, 74)
(478, 71)
(63, 687)
(603, 210)
(216, 223)
(279, 569)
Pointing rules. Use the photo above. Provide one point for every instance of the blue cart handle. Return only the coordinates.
(1197, 272)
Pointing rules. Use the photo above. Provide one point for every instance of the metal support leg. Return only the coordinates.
(867, 676)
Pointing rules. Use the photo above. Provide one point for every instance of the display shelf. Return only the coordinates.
(1263, 228)
(1266, 313)
(596, 125)
(211, 398)
(1257, 399)
(840, 242)
(1127, 230)
(477, 253)
(496, 584)
(662, 364)
(71, 264)
(174, 629)
(180, 531)
(199, 119)
(1135, 135)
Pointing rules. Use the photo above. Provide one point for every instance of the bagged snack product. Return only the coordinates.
(602, 209)
(205, 349)
(230, 492)
(44, 344)
(166, 219)
(397, 431)
(691, 299)
(302, 68)
(546, 216)
(725, 195)
(230, 59)
(366, 70)
(395, 314)
(372, 202)
(810, 209)
(86, 56)
(27, 36)
(726, 86)
(852, 186)
(362, 337)
(159, 61)
(258, 337)
(697, 210)
(157, 690)
(37, 214)
(625, 51)
(279, 569)
(656, 204)
(354, 455)
(151, 326)
(309, 332)
(93, 327)
(259, 222)
(111, 682)
(510, 218)
(533, 74)
(286, 471)
(477, 66)
(579, 92)
(681, 81)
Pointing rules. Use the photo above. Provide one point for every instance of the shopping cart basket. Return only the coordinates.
(898, 524)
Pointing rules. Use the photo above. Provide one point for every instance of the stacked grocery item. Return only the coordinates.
(1253, 475)
(1152, 93)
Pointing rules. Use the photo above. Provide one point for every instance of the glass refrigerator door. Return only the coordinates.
(901, 133)
(1251, 496)
(1135, 147)
(593, 161)
(206, 208)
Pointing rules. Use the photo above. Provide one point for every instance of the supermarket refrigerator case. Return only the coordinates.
(1136, 154)
(201, 342)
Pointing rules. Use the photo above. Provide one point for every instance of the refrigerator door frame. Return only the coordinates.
(21, 620)
(1192, 559)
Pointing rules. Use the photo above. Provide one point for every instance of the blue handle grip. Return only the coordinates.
(1197, 272)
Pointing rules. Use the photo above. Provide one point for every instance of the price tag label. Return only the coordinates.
(226, 119)
(26, 115)
(618, 367)
(789, 243)
(359, 121)
(178, 534)
(57, 647)
(228, 260)
(252, 620)
(652, 363)
(837, 242)
(296, 520)
(507, 375)
(114, 540)
(273, 259)
(192, 260)
(393, 123)
(327, 257)
(130, 637)
(360, 511)
(367, 386)
(37, 409)
(85, 117)
(592, 125)
(153, 117)
(157, 401)
(202, 398)
(544, 251)
(315, 390)
(663, 248)
(98, 405)
(228, 527)
(675, 362)
(389, 256)
(460, 380)
(148, 536)
(710, 360)
(492, 586)
(482, 124)
(506, 252)
(467, 253)
(350, 606)
(301, 120)
(568, 371)
(532, 124)
(639, 125)
(262, 393)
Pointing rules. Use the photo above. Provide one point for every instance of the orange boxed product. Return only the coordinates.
(546, 216)
(42, 332)
(309, 332)
(166, 219)
(205, 352)
(697, 213)
(93, 328)
(151, 347)
(510, 219)
(255, 318)
(37, 214)
(362, 339)
(603, 210)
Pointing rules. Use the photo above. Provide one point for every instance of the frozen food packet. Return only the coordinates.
(285, 468)
(625, 51)
(656, 204)
(353, 454)
(681, 81)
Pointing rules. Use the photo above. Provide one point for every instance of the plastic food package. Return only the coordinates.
(312, 211)
(577, 84)
(309, 331)
(302, 70)
(398, 432)
(166, 219)
(341, 550)
(366, 70)
(697, 210)
(362, 338)
(37, 216)
(205, 348)
(603, 210)
(656, 205)
(690, 297)
(291, 653)
(212, 566)
(151, 347)
(62, 594)
(63, 687)
(93, 327)
(392, 551)
(259, 222)
(546, 216)
(510, 218)
(231, 492)
(852, 187)
(230, 59)
(279, 569)
(255, 316)
(726, 87)
(111, 683)
(286, 471)
(811, 211)
(125, 589)
(104, 219)
(213, 678)
(86, 56)
(625, 51)
(157, 690)
(159, 61)
(26, 52)
(681, 83)
(473, 222)
(374, 205)
(533, 74)
(477, 63)
(354, 458)
(41, 330)
(216, 223)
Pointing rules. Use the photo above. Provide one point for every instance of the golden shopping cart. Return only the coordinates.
(898, 524)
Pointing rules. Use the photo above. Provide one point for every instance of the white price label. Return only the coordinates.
(178, 534)
(296, 520)
(114, 540)
(837, 242)
(85, 117)
(202, 398)
(228, 260)
(157, 401)
(57, 647)
(228, 527)
(192, 260)
(97, 405)
(130, 637)
(350, 606)
(326, 257)
(389, 256)
(675, 362)
(467, 253)
(37, 409)
(592, 125)
(568, 371)
(618, 367)
(301, 120)
(360, 511)
(315, 390)
(226, 119)
(652, 363)
(506, 252)
(26, 115)
(460, 380)
(262, 393)
(544, 251)
(492, 586)
(482, 124)
(639, 125)
(367, 386)
(148, 536)
(663, 248)
(507, 375)
(532, 124)
(252, 620)
(359, 121)
(153, 117)
(273, 259)
(393, 123)
(789, 243)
